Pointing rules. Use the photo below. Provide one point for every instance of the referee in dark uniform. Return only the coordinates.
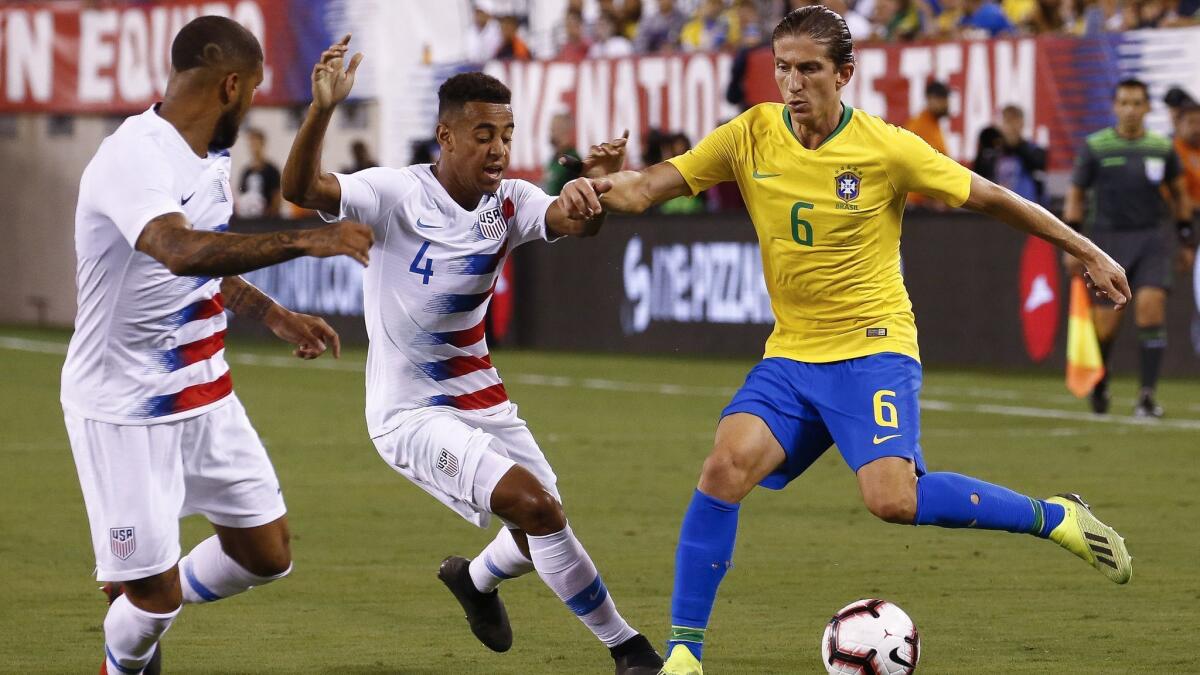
(1120, 174)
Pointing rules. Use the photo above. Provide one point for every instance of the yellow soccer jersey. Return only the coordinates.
(828, 223)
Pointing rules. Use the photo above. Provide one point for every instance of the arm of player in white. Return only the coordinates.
(303, 182)
(310, 334)
(1006, 206)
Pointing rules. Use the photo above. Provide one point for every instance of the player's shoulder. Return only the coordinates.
(398, 182)
(1156, 141)
(1102, 139)
(758, 118)
(873, 134)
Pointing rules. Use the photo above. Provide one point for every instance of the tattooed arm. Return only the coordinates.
(310, 334)
(187, 252)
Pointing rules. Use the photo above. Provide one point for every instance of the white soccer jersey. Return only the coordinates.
(148, 345)
(433, 268)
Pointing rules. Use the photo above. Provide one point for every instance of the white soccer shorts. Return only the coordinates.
(459, 457)
(139, 480)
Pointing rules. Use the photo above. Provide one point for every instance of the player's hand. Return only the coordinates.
(311, 335)
(602, 159)
(1106, 279)
(331, 81)
(1072, 264)
(344, 238)
(580, 198)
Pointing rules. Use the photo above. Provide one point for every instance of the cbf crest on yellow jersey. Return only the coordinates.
(828, 223)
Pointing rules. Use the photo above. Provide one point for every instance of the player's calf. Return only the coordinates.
(208, 573)
(132, 632)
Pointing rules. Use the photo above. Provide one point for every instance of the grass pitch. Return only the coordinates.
(627, 436)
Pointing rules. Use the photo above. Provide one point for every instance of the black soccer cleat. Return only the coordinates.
(636, 656)
(1100, 400)
(113, 590)
(485, 611)
(1147, 407)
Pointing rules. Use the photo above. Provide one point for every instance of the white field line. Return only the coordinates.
(667, 389)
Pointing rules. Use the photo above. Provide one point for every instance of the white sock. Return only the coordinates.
(131, 635)
(207, 574)
(566, 568)
(501, 559)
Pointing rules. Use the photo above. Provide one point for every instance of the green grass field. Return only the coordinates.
(627, 436)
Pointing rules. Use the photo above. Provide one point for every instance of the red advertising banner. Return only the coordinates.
(107, 57)
(1063, 84)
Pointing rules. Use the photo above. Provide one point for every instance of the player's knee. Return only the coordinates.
(271, 561)
(159, 594)
(725, 475)
(539, 513)
(892, 507)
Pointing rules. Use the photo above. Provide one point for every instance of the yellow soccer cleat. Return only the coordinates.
(681, 662)
(1083, 534)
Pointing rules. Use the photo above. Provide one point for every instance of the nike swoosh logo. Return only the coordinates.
(595, 595)
(877, 440)
(894, 655)
(760, 176)
(185, 200)
(426, 226)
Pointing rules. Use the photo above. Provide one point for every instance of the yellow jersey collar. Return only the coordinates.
(847, 113)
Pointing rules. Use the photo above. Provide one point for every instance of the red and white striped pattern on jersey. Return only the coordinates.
(204, 375)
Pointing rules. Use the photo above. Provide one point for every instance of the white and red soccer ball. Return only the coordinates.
(870, 637)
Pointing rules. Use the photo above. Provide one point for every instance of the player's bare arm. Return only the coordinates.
(627, 191)
(170, 240)
(303, 181)
(310, 334)
(1102, 271)
(603, 159)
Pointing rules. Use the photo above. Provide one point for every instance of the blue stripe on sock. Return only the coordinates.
(586, 601)
(487, 560)
(201, 589)
(113, 660)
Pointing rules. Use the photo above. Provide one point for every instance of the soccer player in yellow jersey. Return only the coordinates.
(825, 186)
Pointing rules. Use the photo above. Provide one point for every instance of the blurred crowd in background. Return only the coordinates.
(613, 28)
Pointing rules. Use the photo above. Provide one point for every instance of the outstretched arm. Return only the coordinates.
(310, 334)
(1103, 272)
(170, 240)
(624, 191)
(303, 181)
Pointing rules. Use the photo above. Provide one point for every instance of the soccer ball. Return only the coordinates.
(870, 637)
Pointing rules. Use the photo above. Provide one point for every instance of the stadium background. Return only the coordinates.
(674, 286)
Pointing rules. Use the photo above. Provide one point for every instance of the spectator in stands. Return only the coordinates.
(660, 32)
(674, 145)
(1047, 17)
(629, 16)
(984, 18)
(745, 25)
(361, 157)
(897, 20)
(1148, 14)
(1009, 159)
(258, 191)
(1100, 16)
(575, 45)
(512, 45)
(706, 31)
(1187, 146)
(562, 140)
(609, 42)
(482, 39)
(859, 25)
(928, 125)
(1176, 99)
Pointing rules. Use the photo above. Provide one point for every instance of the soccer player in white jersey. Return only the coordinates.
(436, 408)
(155, 428)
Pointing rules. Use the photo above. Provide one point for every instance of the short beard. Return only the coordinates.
(226, 133)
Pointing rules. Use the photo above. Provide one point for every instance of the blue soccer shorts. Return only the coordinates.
(868, 406)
